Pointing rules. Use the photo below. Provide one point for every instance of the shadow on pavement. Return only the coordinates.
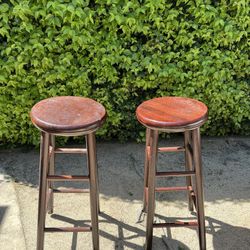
(121, 242)
(225, 236)
(3, 210)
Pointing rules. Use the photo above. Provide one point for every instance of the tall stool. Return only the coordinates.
(173, 114)
(67, 116)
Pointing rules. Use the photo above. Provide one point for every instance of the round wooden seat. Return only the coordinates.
(67, 114)
(172, 113)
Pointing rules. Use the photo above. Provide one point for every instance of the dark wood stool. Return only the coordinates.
(67, 116)
(173, 114)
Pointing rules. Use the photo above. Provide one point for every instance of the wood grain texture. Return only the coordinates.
(168, 112)
(67, 113)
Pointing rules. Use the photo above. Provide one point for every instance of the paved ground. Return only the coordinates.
(226, 164)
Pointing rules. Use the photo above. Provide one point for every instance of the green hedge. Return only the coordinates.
(120, 53)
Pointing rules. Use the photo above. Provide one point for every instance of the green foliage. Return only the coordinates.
(121, 52)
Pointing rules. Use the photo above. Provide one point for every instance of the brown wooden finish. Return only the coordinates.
(176, 224)
(174, 173)
(168, 189)
(70, 190)
(68, 177)
(171, 112)
(67, 114)
(70, 150)
(67, 229)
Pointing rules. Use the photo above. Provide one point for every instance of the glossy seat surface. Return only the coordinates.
(171, 112)
(64, 114)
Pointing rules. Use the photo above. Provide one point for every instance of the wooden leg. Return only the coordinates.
(151, 188)
(147, 147)
(44, 162)
(51, 172)
(189, 166)
(91, 148)
(199, 188)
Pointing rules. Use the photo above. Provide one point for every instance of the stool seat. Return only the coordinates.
(67, 114)
(172, 112)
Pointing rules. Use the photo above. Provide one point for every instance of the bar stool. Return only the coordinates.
(67, 116)
(173, 114)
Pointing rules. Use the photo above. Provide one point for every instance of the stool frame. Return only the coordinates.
(47, 177)
(193, 169)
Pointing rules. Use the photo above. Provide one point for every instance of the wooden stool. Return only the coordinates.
(66, 116)
(173, 114)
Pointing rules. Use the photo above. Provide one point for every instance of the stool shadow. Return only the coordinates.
(225, 236)
(3, 210)
(75, 223)
(120, 242)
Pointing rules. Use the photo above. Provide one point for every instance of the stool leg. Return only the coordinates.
(44, 161)
(189, 166)
(97, 190)
(145, 198)
(151, 188)
(91, 148)
(51, 172)
(97, 183)
(199, 187)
